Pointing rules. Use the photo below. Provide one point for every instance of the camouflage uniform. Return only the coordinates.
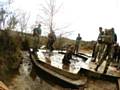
(36, 35)
(77, 43)
(68, 55)
(116, 46)
(98, 46)
(108, 50)
(93, 53)
(115, 54)
(51, 40)
(118, 55)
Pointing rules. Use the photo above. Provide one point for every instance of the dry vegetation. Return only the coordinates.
(10, 53)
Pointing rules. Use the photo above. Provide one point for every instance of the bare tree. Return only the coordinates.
(12, 22)
(5, 13)
(49, 10)
(23, 21)
(2, 19)
(47, 17)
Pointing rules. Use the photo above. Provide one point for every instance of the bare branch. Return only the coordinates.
(61, 28)
(49, 10)
(23, 20)
(57, 9)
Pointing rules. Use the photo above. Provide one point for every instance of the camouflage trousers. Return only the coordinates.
(76, 48)
(36, 42)
(107, 55)
(98, 50)
(119, 60)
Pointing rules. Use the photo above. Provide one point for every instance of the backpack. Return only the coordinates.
(108, 36)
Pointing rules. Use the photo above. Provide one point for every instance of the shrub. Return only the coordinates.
(10, 53)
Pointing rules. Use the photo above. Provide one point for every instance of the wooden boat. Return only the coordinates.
(112, 73)
(112, 70)
(52, 64)
(72, 74)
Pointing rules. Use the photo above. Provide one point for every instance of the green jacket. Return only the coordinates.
(37, 31)
(78, 40)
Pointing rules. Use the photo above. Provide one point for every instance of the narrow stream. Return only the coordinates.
(23, 81)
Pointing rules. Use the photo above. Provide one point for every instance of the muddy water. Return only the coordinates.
(23, 81)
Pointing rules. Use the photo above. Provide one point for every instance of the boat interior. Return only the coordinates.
(55, 59)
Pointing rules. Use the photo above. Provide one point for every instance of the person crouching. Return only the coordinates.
(68, 55)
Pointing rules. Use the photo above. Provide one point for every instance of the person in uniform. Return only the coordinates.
(108, 50)
(115, 54)
(77, 43)
(118, 55)
(36, 34)
(116, 45)
(68, 55)
(98, 47)
(114, 35)
(51, 40)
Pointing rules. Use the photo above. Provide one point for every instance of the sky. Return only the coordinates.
(81, 16)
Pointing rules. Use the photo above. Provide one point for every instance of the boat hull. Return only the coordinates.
(62, 77)
(72, 79)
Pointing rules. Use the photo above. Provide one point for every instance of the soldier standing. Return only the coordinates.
(51, 40)
(98, 46)
(36, 35)
(77, 43)
(115, 46)
(108, 49)
(114, 35)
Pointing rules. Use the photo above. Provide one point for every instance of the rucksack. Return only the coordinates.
(108, 36)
